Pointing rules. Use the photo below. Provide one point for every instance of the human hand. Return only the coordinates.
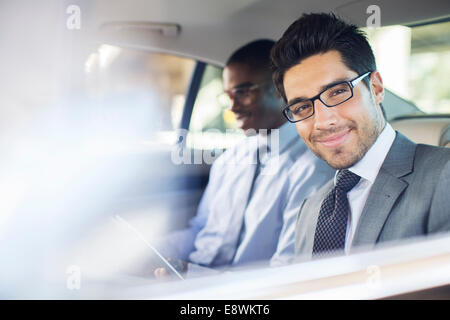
(163, 273)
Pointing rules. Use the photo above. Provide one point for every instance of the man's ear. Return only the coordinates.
(376, 86)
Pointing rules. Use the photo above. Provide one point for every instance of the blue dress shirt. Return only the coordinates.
(248, 210)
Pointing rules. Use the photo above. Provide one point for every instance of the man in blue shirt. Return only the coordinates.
(248, 210)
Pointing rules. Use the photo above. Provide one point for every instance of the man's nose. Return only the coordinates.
(235, 105)
(324, 116)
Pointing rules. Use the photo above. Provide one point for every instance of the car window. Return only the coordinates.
(414, 63)
(212, 125)
(138, 94)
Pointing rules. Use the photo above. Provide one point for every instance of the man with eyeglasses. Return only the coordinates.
(386, 188)
(247, 212)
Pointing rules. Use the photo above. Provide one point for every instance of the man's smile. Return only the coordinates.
(334, 140)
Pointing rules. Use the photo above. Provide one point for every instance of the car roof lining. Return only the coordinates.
(226, 25)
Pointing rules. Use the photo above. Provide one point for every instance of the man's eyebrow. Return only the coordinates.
(243, 85)
(321, 89)
(239, 86)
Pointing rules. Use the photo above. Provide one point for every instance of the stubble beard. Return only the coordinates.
(342, 158)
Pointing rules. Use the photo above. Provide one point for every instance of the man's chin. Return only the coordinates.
(245, 125)
(337, 159)
(341, 160)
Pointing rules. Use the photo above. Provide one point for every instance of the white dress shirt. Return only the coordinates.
(367, 168)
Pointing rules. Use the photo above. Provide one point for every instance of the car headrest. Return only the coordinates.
(428, 129)
(445, 137)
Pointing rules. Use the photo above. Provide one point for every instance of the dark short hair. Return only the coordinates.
(318, 33)
(255, 54)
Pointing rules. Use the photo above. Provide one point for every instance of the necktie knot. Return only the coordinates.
(346, 180)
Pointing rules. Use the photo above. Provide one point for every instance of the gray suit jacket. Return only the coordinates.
(410, 197)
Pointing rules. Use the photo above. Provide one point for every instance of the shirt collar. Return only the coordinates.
(286, 134)
(370, 164)
(283, 137)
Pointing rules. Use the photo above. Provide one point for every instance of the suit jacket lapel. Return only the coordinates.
(388, 186)
(307, 221)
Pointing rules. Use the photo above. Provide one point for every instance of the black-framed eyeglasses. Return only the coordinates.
(241, 94)
(300, 110)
